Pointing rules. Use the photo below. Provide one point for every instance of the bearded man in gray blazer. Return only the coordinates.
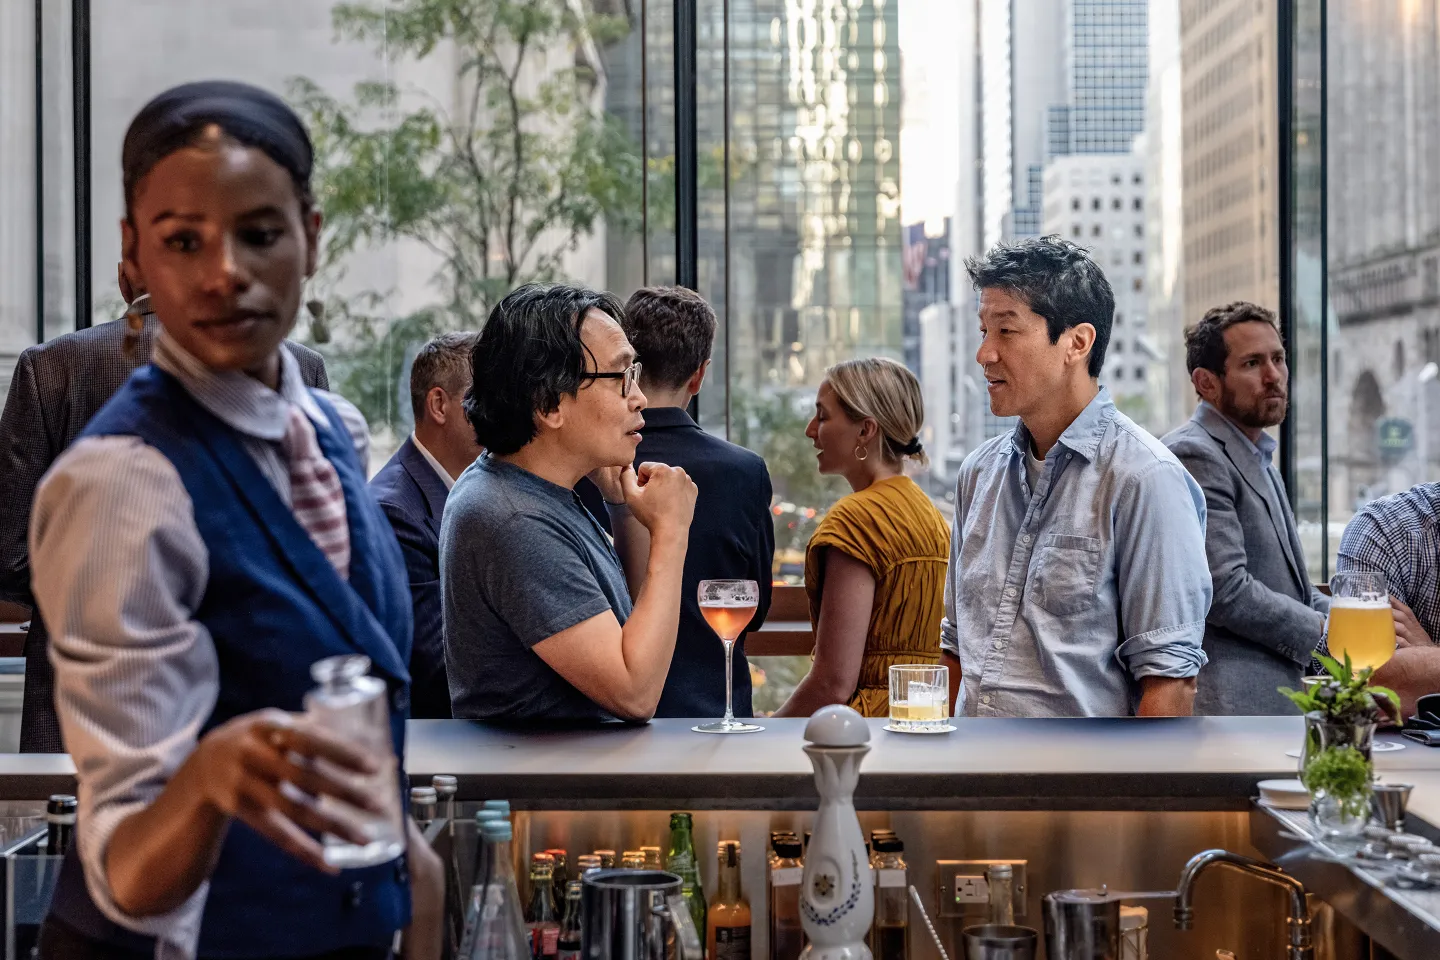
(1266, 618)
(57, 388)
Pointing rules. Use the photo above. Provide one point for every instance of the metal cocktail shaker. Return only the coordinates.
(999, 941)
(1086, 924)
(635, 915)
(1082, 925)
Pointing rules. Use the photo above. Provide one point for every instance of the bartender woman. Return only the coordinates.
(206, 540)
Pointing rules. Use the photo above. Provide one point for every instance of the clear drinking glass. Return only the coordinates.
(350, 703)
(919, 698)
(728, 606)
(1360, 622)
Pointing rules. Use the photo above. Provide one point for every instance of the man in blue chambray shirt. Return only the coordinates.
(1078, 585)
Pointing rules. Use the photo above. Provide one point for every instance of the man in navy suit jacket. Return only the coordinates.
(732, 536)
(412, 488)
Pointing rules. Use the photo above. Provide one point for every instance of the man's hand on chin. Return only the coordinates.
(610, 483)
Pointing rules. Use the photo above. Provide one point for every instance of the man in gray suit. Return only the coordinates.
(1266, 618)
(57, 388)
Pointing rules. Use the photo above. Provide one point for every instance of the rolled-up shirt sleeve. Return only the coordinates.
(119, 570)
(1162, 576)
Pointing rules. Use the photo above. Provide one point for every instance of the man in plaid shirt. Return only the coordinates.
(1399, 536)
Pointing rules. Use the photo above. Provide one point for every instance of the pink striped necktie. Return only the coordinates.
(316, 497)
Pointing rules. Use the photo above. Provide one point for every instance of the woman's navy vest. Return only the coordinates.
(273, 605)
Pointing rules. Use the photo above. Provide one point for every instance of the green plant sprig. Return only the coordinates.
(1344, 774)
(1346, 695)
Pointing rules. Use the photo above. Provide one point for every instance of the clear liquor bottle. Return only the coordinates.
(499, 932)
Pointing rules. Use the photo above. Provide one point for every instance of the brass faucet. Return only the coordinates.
(1302, 945)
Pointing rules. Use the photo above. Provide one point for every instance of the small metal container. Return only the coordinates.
(1082, 925)
(635, 915)
(1388, 801)
(999, 941)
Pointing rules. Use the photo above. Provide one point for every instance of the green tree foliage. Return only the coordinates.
(499, 183)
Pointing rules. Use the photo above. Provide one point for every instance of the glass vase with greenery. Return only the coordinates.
(1342, 709)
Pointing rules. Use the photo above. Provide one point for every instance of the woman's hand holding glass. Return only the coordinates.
(259, 768)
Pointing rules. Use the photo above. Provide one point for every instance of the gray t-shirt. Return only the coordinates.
(521, 559)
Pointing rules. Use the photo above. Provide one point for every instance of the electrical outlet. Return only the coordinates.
(963, 892)
(970, 889)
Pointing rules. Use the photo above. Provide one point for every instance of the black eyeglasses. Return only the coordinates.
(627, 377)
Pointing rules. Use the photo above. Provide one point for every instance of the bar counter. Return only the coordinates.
(1084, 802)
(1201, 763)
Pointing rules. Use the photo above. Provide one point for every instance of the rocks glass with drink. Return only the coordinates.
(1360, 623)
(728, 606)
(919, 699)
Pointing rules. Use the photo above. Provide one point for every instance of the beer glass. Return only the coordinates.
(1360, 623)
(728, 606)
(919, 698)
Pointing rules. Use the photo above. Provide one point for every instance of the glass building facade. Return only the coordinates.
(801, 198)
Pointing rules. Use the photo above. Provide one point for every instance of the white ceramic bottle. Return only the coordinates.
(837, 895)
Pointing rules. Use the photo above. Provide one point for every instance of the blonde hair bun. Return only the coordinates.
(887, 392)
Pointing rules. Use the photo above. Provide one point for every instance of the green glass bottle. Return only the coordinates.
(680, 860)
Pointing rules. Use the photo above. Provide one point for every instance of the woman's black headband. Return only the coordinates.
(247, 114)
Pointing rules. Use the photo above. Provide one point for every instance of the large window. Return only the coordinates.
(850, 156)
(1383, 251)
(463, 147)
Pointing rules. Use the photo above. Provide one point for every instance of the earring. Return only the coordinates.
(134, 326)
(861, 453)
(319, 330)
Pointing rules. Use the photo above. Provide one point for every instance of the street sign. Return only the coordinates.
(1395, 437)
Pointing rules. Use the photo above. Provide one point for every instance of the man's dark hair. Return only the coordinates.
(672, 329)
(1055, 279)
(442, 362)
(528, 355)
(1205, 342)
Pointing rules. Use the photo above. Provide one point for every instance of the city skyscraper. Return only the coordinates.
(815, 238)
(1097, 200)
(1094, 178)
(1050, 86)
(1022, 74)
(1227, 51)
(1106, 67)
(1172, 396)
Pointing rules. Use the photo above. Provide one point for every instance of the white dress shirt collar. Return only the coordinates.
(444, 474)
(238, 399)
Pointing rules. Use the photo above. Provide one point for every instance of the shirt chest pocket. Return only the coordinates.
(1066, 573)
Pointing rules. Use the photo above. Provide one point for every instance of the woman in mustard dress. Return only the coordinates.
(875, 568)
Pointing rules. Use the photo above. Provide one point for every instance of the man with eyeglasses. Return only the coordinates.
(545, 618)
